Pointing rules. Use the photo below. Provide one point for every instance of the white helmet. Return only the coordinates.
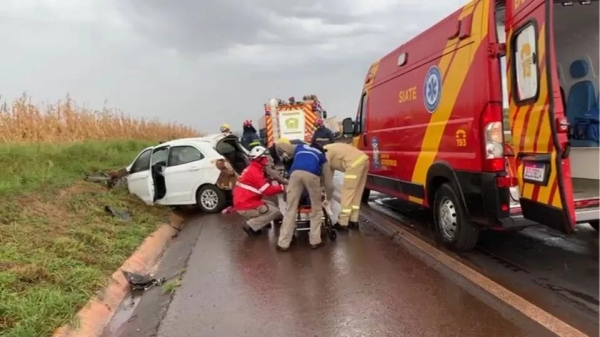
(257, 151)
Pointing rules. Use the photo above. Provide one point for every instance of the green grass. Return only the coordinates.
(57, 245)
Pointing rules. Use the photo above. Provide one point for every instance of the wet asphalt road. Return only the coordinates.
(555, 272)
(360, 285)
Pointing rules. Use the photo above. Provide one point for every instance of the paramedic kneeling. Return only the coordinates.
(248, 194)
(308, 167)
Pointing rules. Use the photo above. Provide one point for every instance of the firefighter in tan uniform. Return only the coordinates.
(355, 165)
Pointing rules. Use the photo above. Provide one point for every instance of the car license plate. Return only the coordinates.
(534, 173)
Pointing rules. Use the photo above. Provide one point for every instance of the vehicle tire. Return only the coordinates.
(211, 199)
(451, 222)
(594, 224)
(333, 235)
(365, 196)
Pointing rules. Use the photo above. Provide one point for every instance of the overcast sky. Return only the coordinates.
(202, 62)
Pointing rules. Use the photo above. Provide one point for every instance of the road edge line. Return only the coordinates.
(518, 303)
(97, 313)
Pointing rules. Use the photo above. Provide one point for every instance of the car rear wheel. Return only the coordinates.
(211, 199)
(450, 221)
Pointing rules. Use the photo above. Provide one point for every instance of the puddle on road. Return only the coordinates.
(124, 313)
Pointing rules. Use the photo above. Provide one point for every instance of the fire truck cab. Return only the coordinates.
(489, 118)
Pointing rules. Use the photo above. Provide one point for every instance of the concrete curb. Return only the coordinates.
(97, 313)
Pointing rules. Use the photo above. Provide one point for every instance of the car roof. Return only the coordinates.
(211, 139)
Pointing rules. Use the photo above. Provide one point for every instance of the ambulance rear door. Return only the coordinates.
(537, 120)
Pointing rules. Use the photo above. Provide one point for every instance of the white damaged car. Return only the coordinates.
(190, 171)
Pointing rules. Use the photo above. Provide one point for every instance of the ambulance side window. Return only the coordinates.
(361, 118)
(525, 64)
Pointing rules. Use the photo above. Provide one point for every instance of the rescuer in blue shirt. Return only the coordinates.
(308, 168)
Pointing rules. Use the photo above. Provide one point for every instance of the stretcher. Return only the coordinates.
(330, 214)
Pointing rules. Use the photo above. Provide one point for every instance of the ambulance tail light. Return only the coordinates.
(493, 138)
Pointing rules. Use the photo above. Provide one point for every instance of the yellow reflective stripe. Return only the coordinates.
(355, 207)
(256, 142)
(350, 176)
(359, 161)
(347, 210)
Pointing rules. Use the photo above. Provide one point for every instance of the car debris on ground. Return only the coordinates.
(111, 179)
(121, 214)
(141, 281)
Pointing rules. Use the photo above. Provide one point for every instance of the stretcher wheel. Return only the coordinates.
(333, 235)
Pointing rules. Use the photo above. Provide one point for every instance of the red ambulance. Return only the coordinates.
(489, 118)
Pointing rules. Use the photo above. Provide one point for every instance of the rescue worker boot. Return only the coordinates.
(318, 245)
(251, 232)
(339, 227)
(353, 224)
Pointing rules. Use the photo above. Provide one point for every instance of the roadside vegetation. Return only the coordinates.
(58, 245)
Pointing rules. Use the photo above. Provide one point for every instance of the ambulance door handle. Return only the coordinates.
(364, 137)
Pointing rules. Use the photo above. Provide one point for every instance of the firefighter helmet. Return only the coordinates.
(257, 152)
(225, 128)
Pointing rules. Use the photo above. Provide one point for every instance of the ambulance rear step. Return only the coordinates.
(586, 209)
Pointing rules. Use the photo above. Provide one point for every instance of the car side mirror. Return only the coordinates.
(347, 126)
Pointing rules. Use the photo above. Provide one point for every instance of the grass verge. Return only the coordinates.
(57, 244)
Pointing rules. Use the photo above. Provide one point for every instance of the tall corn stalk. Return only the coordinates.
(65, 121)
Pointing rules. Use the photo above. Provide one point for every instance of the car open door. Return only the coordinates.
(139, 180)
(537, 120)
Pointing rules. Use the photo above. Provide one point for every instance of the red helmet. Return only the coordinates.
(247, 122)
(319, 122)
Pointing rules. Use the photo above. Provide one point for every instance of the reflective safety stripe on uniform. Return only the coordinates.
(352, 190)
(252, 189)
(254, 143)
(359, 161)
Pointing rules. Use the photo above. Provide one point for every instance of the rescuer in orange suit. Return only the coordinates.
(355, 165)
(250, 190)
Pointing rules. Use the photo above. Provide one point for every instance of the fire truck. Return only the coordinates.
(290, 119)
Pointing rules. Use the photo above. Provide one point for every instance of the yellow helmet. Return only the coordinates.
(225, 128)
(283, 140)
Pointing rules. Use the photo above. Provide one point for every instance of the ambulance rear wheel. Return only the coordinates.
(451, 222)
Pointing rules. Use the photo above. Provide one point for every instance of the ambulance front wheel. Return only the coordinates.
(451, 223)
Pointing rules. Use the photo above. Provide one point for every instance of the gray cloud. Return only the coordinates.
(202, 62)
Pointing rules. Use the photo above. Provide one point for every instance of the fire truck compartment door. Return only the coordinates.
(292, 124)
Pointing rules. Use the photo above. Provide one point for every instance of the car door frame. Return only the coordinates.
(176, 197)
(164, 200)
(541, 146)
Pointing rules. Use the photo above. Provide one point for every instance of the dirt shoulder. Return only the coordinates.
(58, 245)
